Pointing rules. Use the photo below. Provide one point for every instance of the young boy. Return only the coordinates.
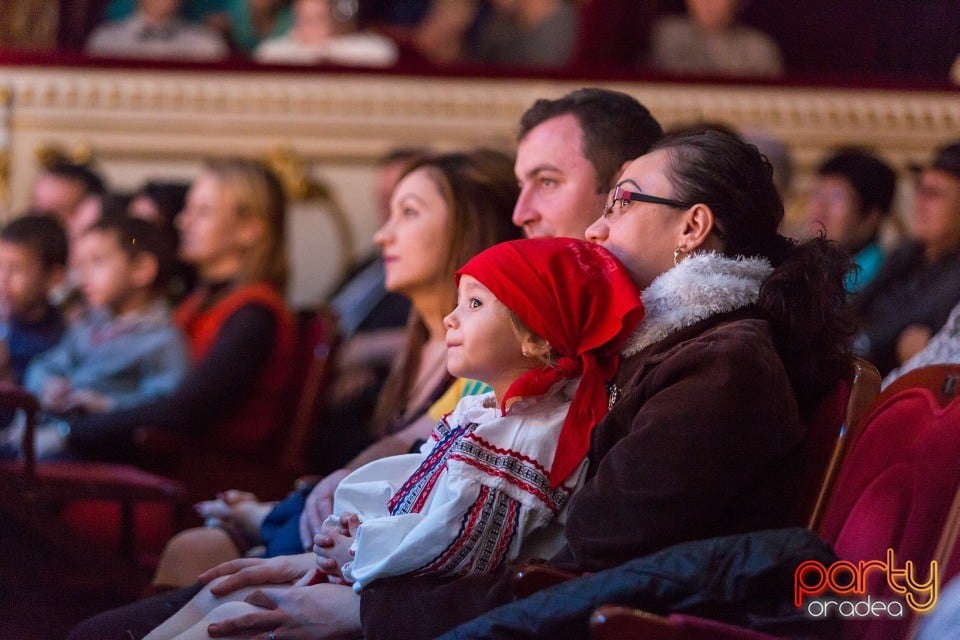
(33, 257)
(124, 351)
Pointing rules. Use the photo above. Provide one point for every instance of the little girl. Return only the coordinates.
(540, 321)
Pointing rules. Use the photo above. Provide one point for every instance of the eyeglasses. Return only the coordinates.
(621, 195)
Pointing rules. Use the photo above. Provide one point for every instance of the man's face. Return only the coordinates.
(559, 195)
(936, 212)
(835, 209)
(57, 196)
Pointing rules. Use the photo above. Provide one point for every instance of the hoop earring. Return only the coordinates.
(676, 255)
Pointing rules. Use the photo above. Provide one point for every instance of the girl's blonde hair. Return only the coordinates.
(258, 193)
(523, 332)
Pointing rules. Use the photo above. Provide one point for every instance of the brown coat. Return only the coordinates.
(703, 441)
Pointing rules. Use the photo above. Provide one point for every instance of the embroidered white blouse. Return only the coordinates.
(476, 497)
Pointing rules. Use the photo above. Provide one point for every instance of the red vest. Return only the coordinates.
(251, 422)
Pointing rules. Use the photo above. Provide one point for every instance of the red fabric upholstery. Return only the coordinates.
(895, 491)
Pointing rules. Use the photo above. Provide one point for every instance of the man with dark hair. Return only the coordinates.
(570, 152)
(852, 195)
(919, 284)
(61, 187)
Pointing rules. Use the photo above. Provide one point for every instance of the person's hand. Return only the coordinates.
(332, 545)
(55, 394)
(240, 508)
(318, 506)
(911, 341)
(323, 611)
(90, 401)
(255, 572)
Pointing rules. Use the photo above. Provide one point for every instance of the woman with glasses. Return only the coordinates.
(745, 333)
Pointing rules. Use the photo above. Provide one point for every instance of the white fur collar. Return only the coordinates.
(701, 286)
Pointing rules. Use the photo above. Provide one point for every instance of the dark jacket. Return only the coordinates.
(746, 580)
(703, 441)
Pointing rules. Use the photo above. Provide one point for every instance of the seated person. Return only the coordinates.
(533, 33)
(919, 284)
(464, 201)
(33, 257)
(709, 41)
(943, 348)
(316, 37)
(60, 190)
(493, 483)
(156, 31)
(239, 332)
(851, 197)
(691, 448)
(125, 351)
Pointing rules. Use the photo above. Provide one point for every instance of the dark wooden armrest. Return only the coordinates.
(533, 577)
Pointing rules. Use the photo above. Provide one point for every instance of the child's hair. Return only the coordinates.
(136, 236)
(41, 234)
(523, 332)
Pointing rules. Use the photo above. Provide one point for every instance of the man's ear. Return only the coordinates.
(144, 268)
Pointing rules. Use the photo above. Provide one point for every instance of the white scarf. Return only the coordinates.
(703, 285)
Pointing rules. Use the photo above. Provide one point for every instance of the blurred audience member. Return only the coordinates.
(160, 203)
(124, 351)
(708, 40)
(919, 284)
(851, 197)
(318, 36)
(239, 330)
(442, 34)
(60, 189)
(156, 31)
(536, 33)
(247, 23)
(33, 260)
(943, 348)
(955, 71)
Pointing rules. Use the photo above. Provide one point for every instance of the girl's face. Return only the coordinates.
(481, 341)
(414, 240)
(213, 236)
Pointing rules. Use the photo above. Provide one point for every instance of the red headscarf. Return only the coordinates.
(579, 298)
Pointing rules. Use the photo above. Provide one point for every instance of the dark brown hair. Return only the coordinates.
(479, 189)
(804, 298)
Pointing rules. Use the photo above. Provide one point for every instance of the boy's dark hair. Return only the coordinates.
(616, 128)
(92, 183)
(42, 234)
(872, 178)
(137, 236)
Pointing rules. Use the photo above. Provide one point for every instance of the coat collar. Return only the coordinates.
(703, 285)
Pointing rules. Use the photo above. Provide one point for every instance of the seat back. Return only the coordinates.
(895, 491)
(943, 380)
(319, 339)
(827, 447)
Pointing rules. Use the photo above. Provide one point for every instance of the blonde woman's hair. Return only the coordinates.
(258, 193)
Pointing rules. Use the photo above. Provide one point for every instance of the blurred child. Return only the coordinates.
(33, 257)
(539, 320)
(124, 351)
